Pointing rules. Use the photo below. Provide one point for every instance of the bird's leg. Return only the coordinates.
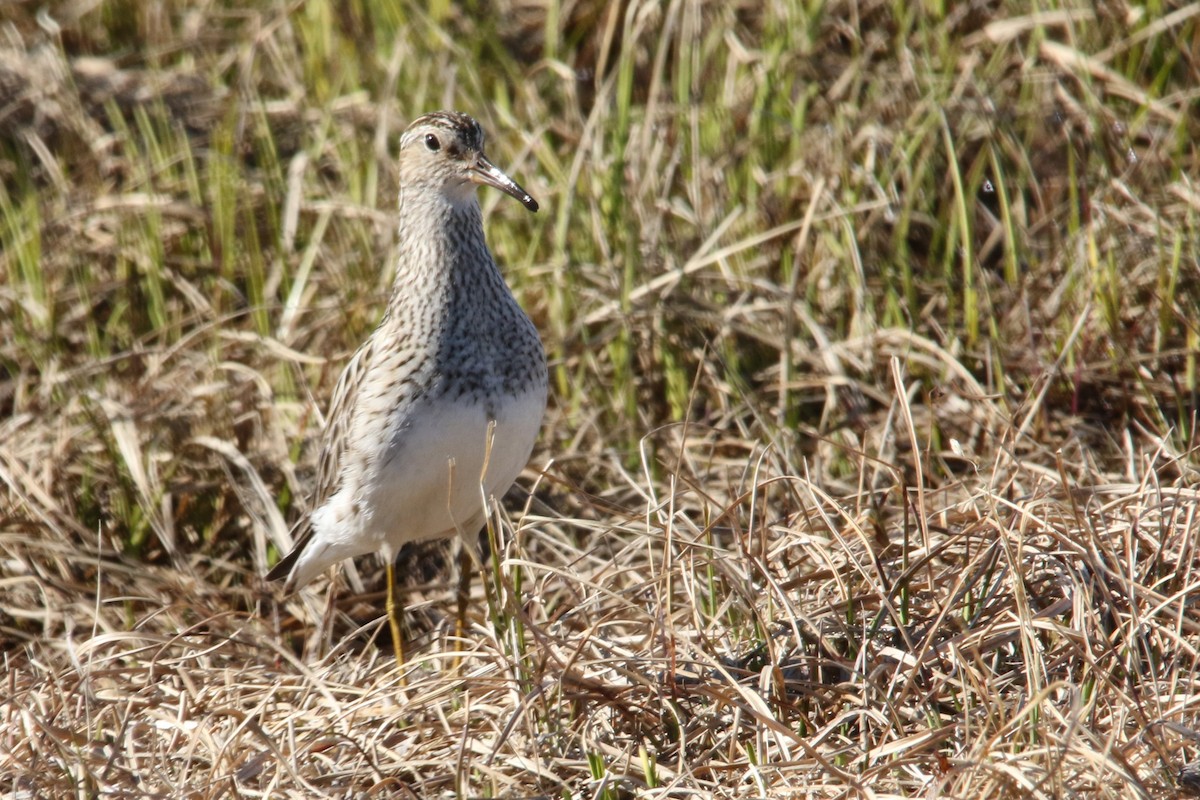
(393, 613)
(465, 567)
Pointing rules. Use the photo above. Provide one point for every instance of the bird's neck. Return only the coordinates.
(440, 249)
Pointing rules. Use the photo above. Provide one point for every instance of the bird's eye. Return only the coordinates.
(432, 142)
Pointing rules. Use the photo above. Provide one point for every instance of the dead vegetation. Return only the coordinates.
(871, 466)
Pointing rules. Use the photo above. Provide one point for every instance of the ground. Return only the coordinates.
(870, 465)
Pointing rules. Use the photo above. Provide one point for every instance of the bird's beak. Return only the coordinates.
(485, 173)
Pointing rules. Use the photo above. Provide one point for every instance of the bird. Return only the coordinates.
(439, 409)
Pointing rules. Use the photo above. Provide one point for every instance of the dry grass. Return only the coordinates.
(871, 464)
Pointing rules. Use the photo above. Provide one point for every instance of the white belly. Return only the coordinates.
(428, 481)
(444, 464)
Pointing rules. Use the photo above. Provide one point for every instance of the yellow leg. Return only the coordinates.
(393, 613)
(465, 566)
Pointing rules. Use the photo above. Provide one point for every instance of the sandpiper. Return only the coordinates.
(438, 410)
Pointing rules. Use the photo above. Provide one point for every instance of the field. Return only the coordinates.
(870, 468)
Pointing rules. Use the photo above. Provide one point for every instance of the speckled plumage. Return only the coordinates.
(407, 433)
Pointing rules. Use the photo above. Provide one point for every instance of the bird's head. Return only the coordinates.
(444, 151)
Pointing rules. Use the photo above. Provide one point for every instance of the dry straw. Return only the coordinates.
(870, 464)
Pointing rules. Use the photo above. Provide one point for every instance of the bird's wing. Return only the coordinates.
(337, 424)
(332, 453)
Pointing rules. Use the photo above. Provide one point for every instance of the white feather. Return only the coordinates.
(429, 482)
